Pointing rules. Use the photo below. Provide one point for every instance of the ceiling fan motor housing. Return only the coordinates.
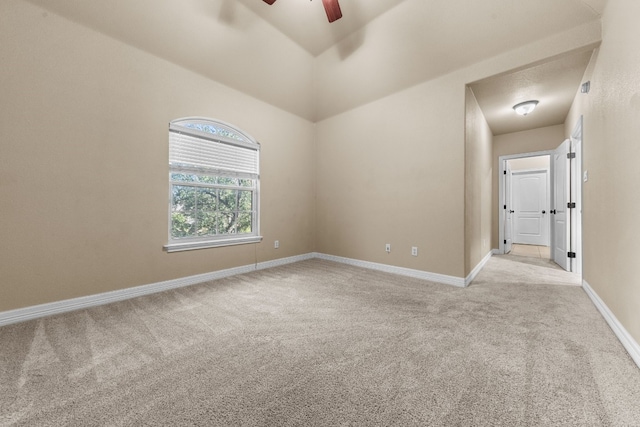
(332, 7)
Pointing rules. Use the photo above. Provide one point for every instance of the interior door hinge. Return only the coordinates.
(505, 206)
(505, 242)
(504, 172)
(571, 155)
(571, 254)
(571, 205)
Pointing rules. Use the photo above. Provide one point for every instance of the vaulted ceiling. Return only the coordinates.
(305, 22)
(288, 54)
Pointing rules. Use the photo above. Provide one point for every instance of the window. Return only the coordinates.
(214, 184)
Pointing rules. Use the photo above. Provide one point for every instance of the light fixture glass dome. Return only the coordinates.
(525, 108)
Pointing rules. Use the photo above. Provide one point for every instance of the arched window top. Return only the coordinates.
(213, 129)
(214, 177)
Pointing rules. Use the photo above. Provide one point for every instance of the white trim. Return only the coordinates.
(284, 261)
(625, 338)
(225, 163)
(577, 191)
(528, 171)
(49, 309)
(192, 245)
(476, 270)
(177, 126)
(64, 306)
(419, 274)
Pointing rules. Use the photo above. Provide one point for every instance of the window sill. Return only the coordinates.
(189, 246)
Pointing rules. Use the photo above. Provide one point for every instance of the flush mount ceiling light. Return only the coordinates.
(525, 108)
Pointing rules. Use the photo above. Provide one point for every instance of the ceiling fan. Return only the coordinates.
(332, 7)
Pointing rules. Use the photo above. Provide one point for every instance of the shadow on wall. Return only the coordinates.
(226, 13)
(347, 46)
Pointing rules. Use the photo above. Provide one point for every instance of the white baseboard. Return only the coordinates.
(476, 270)
(496, 251)
(42, 310)
(284, 261)
(625, 338)
(58, 307)
(419, 274)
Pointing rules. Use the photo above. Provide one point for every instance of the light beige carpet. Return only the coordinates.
(320, 343)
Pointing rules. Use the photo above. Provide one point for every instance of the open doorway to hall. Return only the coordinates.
(528, 204)
(543, 206)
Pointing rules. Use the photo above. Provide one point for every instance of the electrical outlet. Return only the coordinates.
(276, 244)
(387, 247)
(414, 250)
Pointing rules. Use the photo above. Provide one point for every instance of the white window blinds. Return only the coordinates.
(198, 152)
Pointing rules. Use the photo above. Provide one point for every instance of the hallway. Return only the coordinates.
(531, 251)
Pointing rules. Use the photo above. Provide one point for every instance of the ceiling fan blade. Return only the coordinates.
(332, 7)
(269, 1)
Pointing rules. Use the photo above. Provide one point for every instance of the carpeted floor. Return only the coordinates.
(320, 343)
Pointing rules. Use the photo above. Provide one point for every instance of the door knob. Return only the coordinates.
(544, 212)
(511, 211)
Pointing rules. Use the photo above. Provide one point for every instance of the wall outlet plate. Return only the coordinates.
(276, 244)
(387, 247)
(414, 250)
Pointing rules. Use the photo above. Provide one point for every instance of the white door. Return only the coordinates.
(560, 230)
(531, 217)
(508, 210)
(576, 214)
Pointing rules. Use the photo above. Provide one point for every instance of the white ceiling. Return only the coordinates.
(289, 56)
(305, 21)
(554, 84)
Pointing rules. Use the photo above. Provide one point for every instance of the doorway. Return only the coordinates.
(525, 200)
(564, 211)
(530, 202)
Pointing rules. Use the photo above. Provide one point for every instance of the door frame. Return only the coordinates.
(575, 189)
(501, 194)
(507, 215)
(562, 214)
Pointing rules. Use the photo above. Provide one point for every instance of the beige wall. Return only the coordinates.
(611, 202)
(388, 55)
(83, 146)
(83, 163)
(219, 39)
(530, 163)
(477, 192)
(530, 141)
(393, 172)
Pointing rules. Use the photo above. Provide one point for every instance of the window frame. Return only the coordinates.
(230, 136)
